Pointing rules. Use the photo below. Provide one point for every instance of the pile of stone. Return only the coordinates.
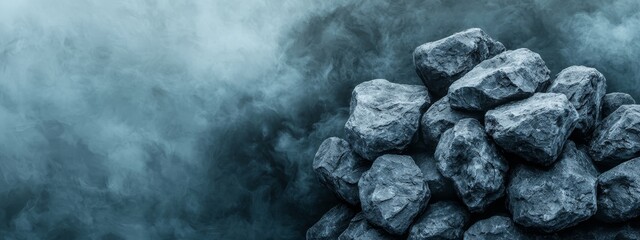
(491, 147)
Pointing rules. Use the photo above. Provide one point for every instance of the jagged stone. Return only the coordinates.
(603, 231)
(617, 137)
(442, 62)
(535, 128)
(384, 116)
(339, 168)
(584, 87)
(439, 186)
(495, 228)
(439, 118)
(619, 192)
(441, 220)
(360, 229)
(332, 223)
(555, 198)
(469, 158)
(613, 101)
(393, 192)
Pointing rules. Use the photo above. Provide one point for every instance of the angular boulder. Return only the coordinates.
(535, 128)
(441, 220)
(442, 62)
(384, 116)
(555, 198)
(467, 156)
(339, 168)
(617, 138)
(584, 87)
(439, 118)
(509, 76)
(613, 101)
(619, 192)
(439, 186)
(360, 229)
(602, 231)
(332, 223)
(495, 228)
(393, 192)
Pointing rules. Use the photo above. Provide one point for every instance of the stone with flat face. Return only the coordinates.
(617, 138)
(439, 118)
(360, 229)
(494, 228)
(441, 220)
(619, 192)
(439, 186)
(612, 101)
(332, 223)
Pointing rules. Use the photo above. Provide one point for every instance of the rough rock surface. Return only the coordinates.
(384, 116)
(555, 198)
(613, 101)
(442, 62)
(535, 128)
(339, 168)
(494, 228)
(602, 231)
(617, 137)
(469, 158)
(439, 118)
(441, 220)
(360, 229)
(332, 223)
(439, 186)
(584, 87)
(509, 76)
(619, 192)
(393, 192)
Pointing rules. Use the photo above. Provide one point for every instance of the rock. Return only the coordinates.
(339, 168)
(613, 101)
(494, 228)
(619, 192)
(555, 198)
(603, 231)
(442, 62)
(439, 186)
(384, 116)
(584, 87)
(393, 192)
(467, 156)
(617, 137)
(509, 76)
(360, 229)
(535, 128)
(439, 118)
(441, 220)
(332, 223)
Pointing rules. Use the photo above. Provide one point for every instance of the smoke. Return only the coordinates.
(158, 119)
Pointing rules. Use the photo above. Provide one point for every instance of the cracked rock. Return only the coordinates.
(439, 186)
(360, 229)
(332, 223)
(613, 101)
(439, 118)
(384, 116)
(441, 220)
(442, 62)
(535, 128)
(617, 138)
(494, 228)
(619, 192)
(467, 156)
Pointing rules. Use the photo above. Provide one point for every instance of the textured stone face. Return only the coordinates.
(494, 228)
(584, 87)
(360, 229)
(339, 168)
(441, 220)
(600, 231)
(535, 128)
(617, 137)
(469, 158)
(439, 118)
(384, 116)
(619, 192)
(555, 198)
(439, 186)
(509, 76)
(442, 62)
(393, 192)
(332, 223)
(613, 101)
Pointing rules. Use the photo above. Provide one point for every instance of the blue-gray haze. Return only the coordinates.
(162, 119)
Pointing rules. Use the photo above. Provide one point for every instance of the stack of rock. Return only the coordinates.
(489, 148)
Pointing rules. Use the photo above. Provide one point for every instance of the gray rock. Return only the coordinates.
(442, 62)
(619, 192)
(360, 229)
(439, 186)
(535, 128)
(602, 231)
(469, 158)
(339, 168)
(393, 192)
(384, 116)
(584, 87)
(494, 228)
(441, 220)
(555, 198)
(509, 76)
(617, 137)
(439, 118)
(613, 101)
(332, 223)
